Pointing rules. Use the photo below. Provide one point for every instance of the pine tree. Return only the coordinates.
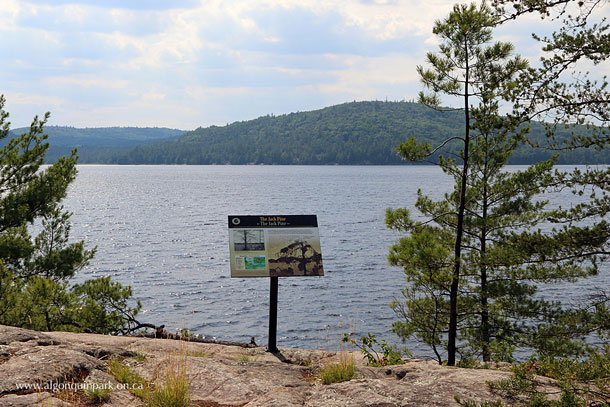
(35, 270)
(465, 68)
(563, 92)
(473, 264)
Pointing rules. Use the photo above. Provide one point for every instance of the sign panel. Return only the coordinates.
(275, 246)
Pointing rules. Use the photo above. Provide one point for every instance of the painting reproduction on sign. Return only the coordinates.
(275, 246)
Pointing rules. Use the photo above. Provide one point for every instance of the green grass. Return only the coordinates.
(98, 395)
(124, 374)
(246, 357)
(170, 389)
(174, 390)
(140, 357)
(341, 371)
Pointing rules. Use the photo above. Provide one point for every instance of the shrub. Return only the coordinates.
(368, 345)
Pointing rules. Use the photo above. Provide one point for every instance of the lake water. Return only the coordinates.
(163, 230)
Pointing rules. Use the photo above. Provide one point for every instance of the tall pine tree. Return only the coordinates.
(569, 89)
(471, 280)
(35, 270)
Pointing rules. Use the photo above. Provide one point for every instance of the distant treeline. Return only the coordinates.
(98, 145)
(348, 134)
(356, 133)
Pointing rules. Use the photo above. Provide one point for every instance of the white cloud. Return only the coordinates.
(9, 9)
(16, 98)
(153, 96)
(153, 62)
(88, 81)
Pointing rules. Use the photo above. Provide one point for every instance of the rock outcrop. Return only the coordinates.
(48, 369)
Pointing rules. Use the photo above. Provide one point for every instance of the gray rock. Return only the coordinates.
(10, 334)
(221, 375)
(101, 352)
(32, 400)
(235, 383)
(44, 366)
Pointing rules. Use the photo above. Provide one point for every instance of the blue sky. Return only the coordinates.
(189, 63)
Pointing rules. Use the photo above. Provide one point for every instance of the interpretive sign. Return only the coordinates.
(275, 246)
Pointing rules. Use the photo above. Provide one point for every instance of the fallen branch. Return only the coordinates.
(160, 333)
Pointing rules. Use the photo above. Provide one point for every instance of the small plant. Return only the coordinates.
(387, 355)
(578, 383)
(99, 394)
(140, 357)
(124, 374)
(198, 354)
(305, 362)
(245, 357)
(471, 363)
(342, 371)
(68, 393)
(470, 403)
(186, 333)
(174, 390)
(171, 390)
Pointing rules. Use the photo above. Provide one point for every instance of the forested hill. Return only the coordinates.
(98, 145)
(350, 133)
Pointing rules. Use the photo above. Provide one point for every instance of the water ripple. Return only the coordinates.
(163, 230)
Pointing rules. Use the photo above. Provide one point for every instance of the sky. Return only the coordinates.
(194, 63)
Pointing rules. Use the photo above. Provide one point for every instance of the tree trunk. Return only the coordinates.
(485, 339)
(455, 282)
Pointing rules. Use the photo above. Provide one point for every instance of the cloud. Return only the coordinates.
(212, 61)
(87, 81)
(75, 18)
(123, 4)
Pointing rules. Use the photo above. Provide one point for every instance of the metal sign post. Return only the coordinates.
(273, 288)
(274, 246)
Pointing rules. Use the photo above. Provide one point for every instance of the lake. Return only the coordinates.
(163, 230)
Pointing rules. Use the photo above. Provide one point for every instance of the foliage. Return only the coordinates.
(102, 306)
(174, 390)
(573, 100)
(577, 383)
(359, 133)
(524, 385)
(126, 375)
(473, 263)
(351, 133)
(98, 394)
(246, 356)
(140, 357)
(98, 145)
(563, 90)
(341, 371)
(171, 389)
(123, 373)
(35, 270)
(186, 333)
(470, 68)
(368, 345)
